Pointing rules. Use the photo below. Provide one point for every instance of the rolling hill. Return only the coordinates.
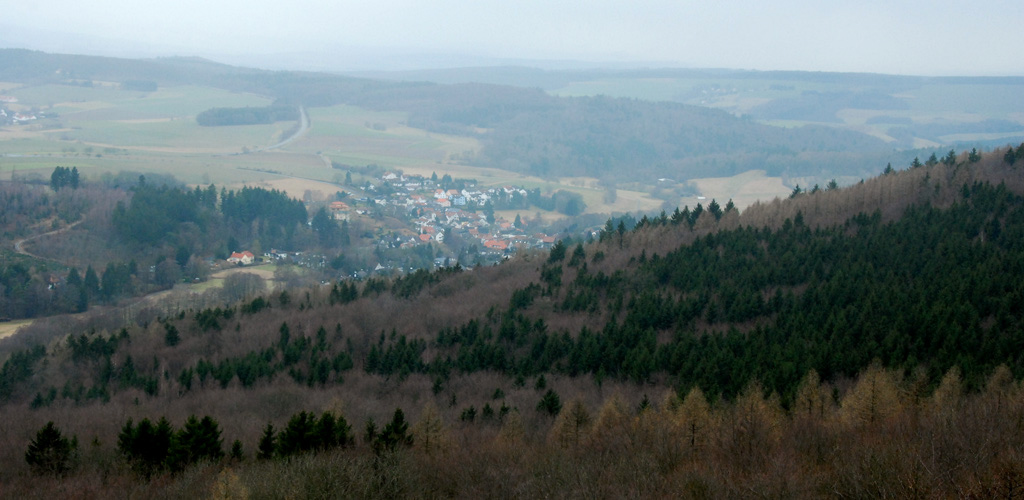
(861, 340)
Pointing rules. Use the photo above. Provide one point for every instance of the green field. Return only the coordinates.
(102, 117)
(121, 104)
(102, 130)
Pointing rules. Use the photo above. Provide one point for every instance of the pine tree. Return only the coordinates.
(266, 447)
(394, 435)
(237, 454)
(550, 403)
(91, 282)
(950, 158)
(715, 209)
(50, 453)
(171, 336)
(298, 436)
(147, 446)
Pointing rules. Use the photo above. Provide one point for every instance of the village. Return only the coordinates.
(444, 222)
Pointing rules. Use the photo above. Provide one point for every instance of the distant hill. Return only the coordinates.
(905, 110)
(523, 130)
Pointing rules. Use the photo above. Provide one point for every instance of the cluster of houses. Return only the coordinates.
(13, 116)
(434, 212)
(433, 215)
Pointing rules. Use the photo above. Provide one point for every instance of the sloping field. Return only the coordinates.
(9, 328)
(743, 189)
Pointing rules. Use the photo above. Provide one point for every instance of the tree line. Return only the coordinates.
(220, 117)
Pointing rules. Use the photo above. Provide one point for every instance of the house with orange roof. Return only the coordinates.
(242, 258)
(496, 245)
(339, 210)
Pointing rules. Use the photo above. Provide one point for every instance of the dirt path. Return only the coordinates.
(19, 245)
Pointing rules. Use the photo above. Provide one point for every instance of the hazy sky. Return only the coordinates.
(929, 37)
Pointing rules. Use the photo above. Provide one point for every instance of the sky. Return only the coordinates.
(919, 37)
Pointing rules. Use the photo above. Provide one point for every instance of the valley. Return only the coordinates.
(223, 281)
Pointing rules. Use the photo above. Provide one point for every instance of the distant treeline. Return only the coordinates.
(159, 215)
(217, 117)
(139, 85)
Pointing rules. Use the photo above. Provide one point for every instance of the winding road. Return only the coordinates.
(303, 128)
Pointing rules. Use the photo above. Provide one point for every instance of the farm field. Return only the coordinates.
(103, 130)
(743, 189)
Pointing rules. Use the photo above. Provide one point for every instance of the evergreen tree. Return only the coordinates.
(171, 336)
(550, 403)
(557, 252)
(64, 177)
(1010, 157)
(147, 446)
(91, 282)
(267, 444)
(394, 435)
(950, 158)
(237, 454)
(325, 228)
(715, 209)
(197, 441)
(74, 279)
(299, 435)
(50, 453)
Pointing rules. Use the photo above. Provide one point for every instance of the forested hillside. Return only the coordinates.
(860, 341)
(96, 244)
